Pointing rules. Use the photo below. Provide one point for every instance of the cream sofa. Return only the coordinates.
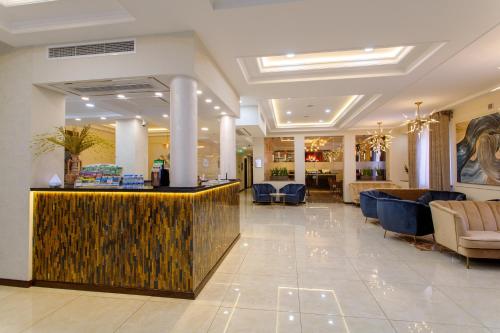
(357, 187)
(471, 228)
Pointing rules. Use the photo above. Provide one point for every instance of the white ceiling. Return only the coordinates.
(466, 63)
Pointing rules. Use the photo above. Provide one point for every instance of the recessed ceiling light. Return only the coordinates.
(78, 119)
(84, 98)
(120, 96)
(201, 147)
(204, 129)
(289, 112)
(13, 3)
(158, 94)
(216, 107)
(321, 121)
(290, 55)
(165, 116)
(369, 49)
(103, 118)
(289, 122)
(328, 110)
(223, 113)
(241, 102)
(208, 100)
(90, 105)
(138, 117)
(199, 92)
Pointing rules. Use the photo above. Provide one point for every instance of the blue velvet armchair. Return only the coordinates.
(368, 202)
(405, 217)
(295, 193)
(441, 195)
(261, 193)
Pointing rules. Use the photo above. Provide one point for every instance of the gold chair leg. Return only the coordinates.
(366, 219)
(434, 238)
(467, 265)
(385, 233)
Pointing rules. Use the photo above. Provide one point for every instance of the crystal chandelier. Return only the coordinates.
(378, 140)
(418, 124)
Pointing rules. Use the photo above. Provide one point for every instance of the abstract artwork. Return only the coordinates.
(478, 150)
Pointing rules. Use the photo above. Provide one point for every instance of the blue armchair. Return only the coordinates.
(441, 195)
(295, 193)
(368, 202)
(261, 193)
(405, 217)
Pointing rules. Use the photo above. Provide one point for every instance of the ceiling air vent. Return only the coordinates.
(242, 132)
(85, 50)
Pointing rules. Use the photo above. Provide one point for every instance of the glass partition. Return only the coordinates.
(324, 166)
(279, 163)
(370, 165)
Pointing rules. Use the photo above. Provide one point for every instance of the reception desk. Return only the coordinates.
(161, 242)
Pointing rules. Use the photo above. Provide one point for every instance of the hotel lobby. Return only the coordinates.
(250, 166)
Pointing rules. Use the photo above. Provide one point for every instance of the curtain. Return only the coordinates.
(439, 151)
(412, 159)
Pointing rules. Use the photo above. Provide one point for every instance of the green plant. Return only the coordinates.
(379, 171)
(73, 140)
(366, 172)
(279, 172)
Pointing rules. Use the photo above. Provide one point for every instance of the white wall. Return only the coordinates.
(132, 147)
(471, 109)
(258, 153)
(26, 111)
(397, 158)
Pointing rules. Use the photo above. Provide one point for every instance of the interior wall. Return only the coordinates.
(26, 111)
(468, 110)
(158, 147)
(100, 155)
(132, 147)
(397, 158)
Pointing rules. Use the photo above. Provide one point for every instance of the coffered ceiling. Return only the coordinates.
(454, 47)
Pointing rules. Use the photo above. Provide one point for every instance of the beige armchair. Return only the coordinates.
(470, 228)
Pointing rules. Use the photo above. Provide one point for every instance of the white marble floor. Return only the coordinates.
(312, 268)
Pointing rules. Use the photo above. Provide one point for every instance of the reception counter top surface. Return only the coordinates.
(146, 188)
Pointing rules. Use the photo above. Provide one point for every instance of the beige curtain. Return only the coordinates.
(439, 151)
(412, 159)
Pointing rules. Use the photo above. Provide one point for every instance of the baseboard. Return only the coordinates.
(16, 283)
(115, 290)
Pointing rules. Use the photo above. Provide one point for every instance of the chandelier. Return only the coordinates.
(316, 144)
(379, 141)
(418, 124)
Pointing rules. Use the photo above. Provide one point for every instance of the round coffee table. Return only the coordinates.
(278, 197)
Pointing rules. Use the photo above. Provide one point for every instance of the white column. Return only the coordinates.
(300, 163)
(349, 164)
(183, 132)
(131, 142)
(228, 147)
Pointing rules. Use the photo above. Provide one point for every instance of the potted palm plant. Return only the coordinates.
(74, 141)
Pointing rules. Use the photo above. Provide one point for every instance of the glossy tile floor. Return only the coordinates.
(312, 268)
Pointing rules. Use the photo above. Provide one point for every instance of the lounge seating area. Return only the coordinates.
(265, 193)
(404, 211)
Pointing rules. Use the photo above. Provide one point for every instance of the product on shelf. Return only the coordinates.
(99, 175)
